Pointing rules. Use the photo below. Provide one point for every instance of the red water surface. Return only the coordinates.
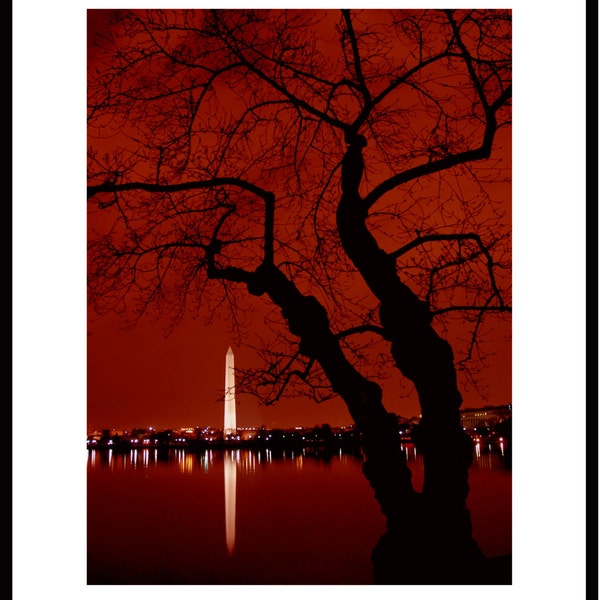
(298, 519)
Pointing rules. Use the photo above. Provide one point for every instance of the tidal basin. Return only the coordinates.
(238, 516)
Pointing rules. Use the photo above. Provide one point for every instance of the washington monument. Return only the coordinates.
(229, 427)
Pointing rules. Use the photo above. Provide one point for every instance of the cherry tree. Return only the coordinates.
(352, 170)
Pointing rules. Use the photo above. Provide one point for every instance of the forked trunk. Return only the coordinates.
(429, 537)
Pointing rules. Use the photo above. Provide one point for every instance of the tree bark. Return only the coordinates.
(385, 466)
(442, 549)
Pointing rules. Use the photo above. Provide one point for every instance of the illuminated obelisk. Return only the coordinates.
(229, 427)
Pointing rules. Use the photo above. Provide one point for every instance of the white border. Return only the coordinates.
(49, 314)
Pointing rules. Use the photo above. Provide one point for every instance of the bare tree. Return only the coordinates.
(347, 166)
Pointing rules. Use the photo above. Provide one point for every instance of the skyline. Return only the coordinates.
(198, 392)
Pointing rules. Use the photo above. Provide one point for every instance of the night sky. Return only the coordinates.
(143, 377)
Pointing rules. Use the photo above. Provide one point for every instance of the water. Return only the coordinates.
(242, 517)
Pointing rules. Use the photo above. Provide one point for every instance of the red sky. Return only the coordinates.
(140, 378)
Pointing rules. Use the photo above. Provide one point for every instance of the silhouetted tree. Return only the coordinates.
(344, 166)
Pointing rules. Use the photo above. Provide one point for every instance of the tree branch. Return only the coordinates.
(295, 100)
(437, 237)
(357, 62)
(366, 328)
(109, 186)
(484, 308)
(484, 151)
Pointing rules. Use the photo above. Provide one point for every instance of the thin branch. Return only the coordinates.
(437, 237)
(484, 151)
(484, 308)
(366, 328)
(364, 114)
(357, 62)
(467, 58)
(295, 100)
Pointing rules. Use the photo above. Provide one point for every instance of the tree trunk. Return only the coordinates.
(385, 465)
(434, 544)
(428, 538)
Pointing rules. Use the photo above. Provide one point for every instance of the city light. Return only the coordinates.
(490, 435)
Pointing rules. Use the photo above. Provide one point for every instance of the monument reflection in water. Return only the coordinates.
(236, 516)
(230, 491)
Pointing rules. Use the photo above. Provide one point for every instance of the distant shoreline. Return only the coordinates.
(345, 444)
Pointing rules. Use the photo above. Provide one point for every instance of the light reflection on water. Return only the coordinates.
(231, 461)
(310, 517)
